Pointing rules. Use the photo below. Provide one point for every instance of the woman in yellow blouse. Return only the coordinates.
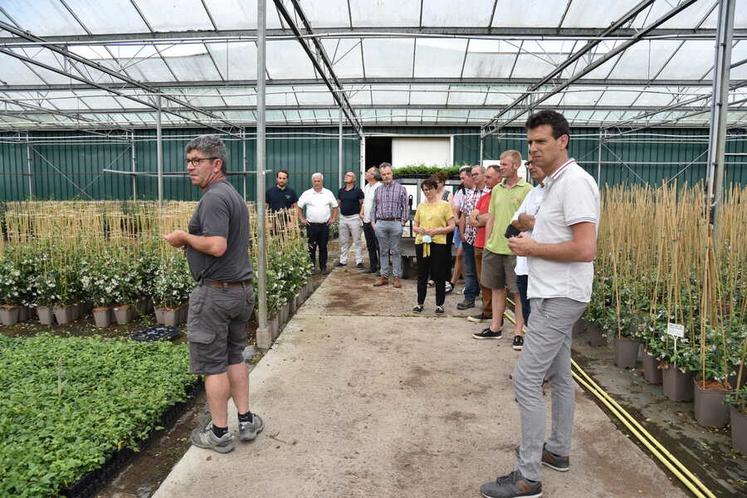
(433, 220)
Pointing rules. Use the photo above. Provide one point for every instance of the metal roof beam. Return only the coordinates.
(648, 110)
(493, 82)
(502, 32)
(494, 125)
(319, 58)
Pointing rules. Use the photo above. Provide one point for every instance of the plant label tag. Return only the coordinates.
(676, 330)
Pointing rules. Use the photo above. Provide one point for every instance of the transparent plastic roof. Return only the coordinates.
(100, 64)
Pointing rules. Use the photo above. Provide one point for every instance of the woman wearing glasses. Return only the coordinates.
(433, 220)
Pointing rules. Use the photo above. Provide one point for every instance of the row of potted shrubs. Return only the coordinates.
(710, 375)
(116, 283)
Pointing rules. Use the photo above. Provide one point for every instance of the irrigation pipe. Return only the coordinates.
(655, 447)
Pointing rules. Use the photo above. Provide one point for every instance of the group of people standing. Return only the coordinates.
(553, 226)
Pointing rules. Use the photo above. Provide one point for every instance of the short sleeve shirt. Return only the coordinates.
(469, 201)
(482, 206)
(350, 200)
(571, 197)
(433, 215)
(530, 205)
(221, 212)
(318, 205)
(503, 204)
(280, 198)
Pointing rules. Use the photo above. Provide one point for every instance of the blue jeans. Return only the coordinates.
(522, 281)
(471, 286)
(389, 235)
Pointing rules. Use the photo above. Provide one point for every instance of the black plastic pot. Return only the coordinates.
(626, 352)
(738, 430)
(651, 370)
(677, 385)
(710, 410)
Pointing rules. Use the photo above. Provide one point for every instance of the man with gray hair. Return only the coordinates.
(217, 247)
(350, 197)
(369, 190)
(321, 212)
(390, 213)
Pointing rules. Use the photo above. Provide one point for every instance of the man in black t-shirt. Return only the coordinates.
(217, 247)
(350, 200)
(281, 196)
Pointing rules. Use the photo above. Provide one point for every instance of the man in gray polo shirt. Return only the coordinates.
(217, 247)
(560, 254)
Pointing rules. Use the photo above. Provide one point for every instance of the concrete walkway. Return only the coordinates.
(362, 397)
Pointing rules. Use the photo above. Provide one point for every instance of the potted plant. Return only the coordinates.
(10, 295)
(100, 290)
(737, 401)
(711, 385)
(171, 289)
(678, 361)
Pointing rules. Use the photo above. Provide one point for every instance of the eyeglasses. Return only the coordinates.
(195, 161)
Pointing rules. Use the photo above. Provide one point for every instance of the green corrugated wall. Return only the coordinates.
(68, 165)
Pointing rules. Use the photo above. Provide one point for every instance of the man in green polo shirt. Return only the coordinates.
(498, 261)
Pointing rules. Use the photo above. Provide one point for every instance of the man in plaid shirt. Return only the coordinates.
(471, 196)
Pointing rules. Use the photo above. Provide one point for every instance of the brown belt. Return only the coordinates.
(224, 285)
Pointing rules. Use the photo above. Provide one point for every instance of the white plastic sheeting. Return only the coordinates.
(399, 61)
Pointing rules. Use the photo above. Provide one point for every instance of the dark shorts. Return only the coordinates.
(498, 271)
(217, 327)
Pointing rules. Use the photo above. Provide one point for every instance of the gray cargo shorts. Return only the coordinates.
(217, 327)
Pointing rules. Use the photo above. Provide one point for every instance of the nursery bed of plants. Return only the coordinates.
(69, 405)
(666, 285)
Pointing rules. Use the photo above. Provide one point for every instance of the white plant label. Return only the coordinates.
(676, 330)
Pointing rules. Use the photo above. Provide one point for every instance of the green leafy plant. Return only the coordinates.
(173, 282)
(423, 170)
(69, 403)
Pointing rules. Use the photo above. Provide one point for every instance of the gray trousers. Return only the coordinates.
(350, 228)
(389, 235)
(546, 354)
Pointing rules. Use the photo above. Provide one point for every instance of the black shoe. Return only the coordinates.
(512, 485)
(340, 263)
(518, 343)
(552, 460)
(359, 266)
(325, 271)
(418, 308)
(487, 334)
(373, 270)
(439, 310)
(478, 318)
(465, 305)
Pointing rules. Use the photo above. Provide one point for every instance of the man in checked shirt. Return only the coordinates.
(389, 215)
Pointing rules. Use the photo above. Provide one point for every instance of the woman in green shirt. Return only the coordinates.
(433, 220)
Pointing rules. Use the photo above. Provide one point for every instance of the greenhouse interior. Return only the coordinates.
(169, 170)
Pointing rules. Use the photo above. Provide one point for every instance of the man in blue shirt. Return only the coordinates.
(350, 198)
(281, 196)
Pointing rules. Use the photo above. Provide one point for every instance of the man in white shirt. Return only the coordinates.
(560, 253)
(321, 212)
(369, 190)
(523, 220)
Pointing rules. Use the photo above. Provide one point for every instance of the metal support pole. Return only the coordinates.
(599, 160)
(719, 108)
(28, 167)
(159, 150)
(243, 160)
(134, 167)
(482, 150)
(339, 150)
(264, 340)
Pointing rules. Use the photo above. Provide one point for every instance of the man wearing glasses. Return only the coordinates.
(217, 247)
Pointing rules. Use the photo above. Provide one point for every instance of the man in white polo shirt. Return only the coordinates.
(321, 212)
(560, 254)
